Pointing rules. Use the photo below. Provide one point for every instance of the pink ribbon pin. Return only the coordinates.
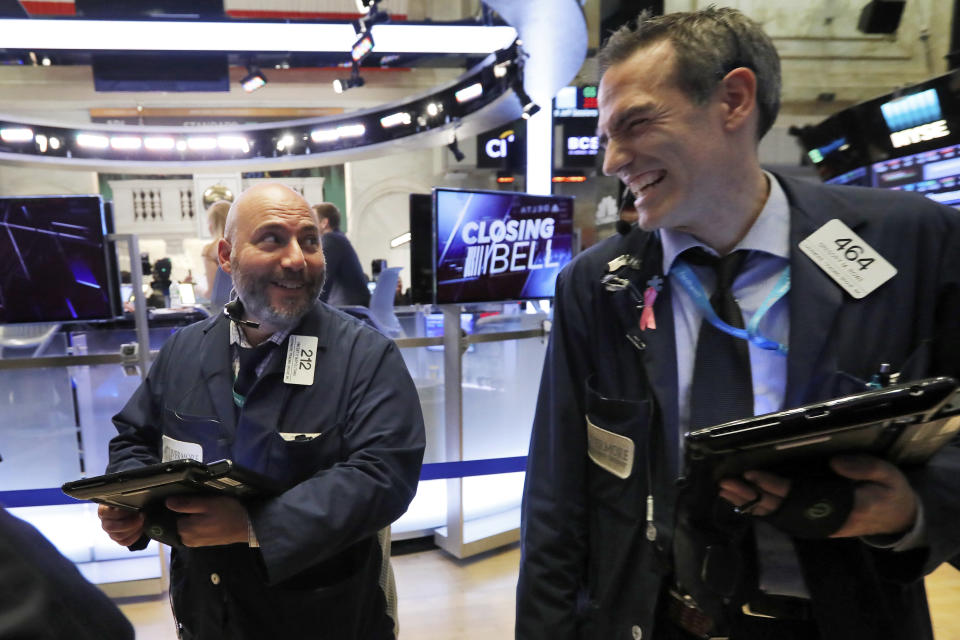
(647, 319)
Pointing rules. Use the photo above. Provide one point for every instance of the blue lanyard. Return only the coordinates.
(688, 279)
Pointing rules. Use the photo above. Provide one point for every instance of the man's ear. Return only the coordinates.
(738, 93)
(223, 254)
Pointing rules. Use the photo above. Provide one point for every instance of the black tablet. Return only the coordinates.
(137, 488)
(905, 423)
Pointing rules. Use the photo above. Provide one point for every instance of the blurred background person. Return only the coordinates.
(219, 283)
(346, 283)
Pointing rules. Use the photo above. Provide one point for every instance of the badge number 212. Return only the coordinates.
(306, 359)
(301, 360)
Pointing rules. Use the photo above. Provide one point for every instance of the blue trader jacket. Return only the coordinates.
(591, 567)
(352, 472)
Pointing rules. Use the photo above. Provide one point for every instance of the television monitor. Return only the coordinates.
(421, 248)
(491, 246)
(934, 174)
(53, 260)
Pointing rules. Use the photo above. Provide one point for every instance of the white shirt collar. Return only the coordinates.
(770, 232)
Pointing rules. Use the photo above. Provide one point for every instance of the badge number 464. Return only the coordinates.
(845, 257)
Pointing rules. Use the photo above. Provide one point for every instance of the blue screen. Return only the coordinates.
(495, 246)
(934, 174)
(53, 264)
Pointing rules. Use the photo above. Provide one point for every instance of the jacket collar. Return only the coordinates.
(815, 299)
(217, 365)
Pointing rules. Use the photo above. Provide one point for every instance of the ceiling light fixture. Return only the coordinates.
(257, 37)
(395, 119)
(469, 93)
(342, 84)
(92, 141)
(529, 107)
(362, 48)
(16, 134)
(201, 143)
(253, 80)
(159, 143)
(125, 143)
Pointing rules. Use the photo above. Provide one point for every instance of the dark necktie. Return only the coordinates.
(722, 388)
(250, 359)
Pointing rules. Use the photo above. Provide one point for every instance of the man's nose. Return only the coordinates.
(293, 256)
(615, 157)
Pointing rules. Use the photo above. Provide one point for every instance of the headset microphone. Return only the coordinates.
(622, 226)
(234, 311)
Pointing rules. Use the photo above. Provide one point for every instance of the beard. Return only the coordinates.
(253, 291)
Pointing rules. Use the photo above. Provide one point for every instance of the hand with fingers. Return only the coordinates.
(210, 520)
(881, 502)
(122, 525)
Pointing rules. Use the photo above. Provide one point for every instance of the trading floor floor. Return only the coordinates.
(446, 599)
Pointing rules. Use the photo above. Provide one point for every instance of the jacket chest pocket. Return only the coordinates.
(617, 431)
(304, 454)
(192, 436)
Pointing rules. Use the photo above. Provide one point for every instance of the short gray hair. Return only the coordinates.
(709, 44)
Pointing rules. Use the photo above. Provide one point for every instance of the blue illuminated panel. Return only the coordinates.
(912, 111)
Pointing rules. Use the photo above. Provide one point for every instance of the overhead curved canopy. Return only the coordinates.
(554, 41)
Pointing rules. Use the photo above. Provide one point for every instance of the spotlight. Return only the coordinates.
(369, 15)
(455, 149)
(529, 107)
(92, 141)
(16, 134)
(253, 80)
(529, 110)
(362, 47)
(54, 143)
(159, 143)
(41, 142)
(395, 119)
(201, 143)
(433, 109)
(126, 143)
(233, 143)
(469, 93)
(342, 84)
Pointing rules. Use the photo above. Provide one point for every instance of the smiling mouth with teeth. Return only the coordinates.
(289, 285)
(639, 189)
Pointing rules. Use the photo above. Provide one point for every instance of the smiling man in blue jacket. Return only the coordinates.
(610, 549)
(286, 386)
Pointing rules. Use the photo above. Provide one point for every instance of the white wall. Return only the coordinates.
(378, 204)
(20, 181)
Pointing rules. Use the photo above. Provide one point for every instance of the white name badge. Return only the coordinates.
(301, 360)
(610, 451)
(180, 450)
(845, 257)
